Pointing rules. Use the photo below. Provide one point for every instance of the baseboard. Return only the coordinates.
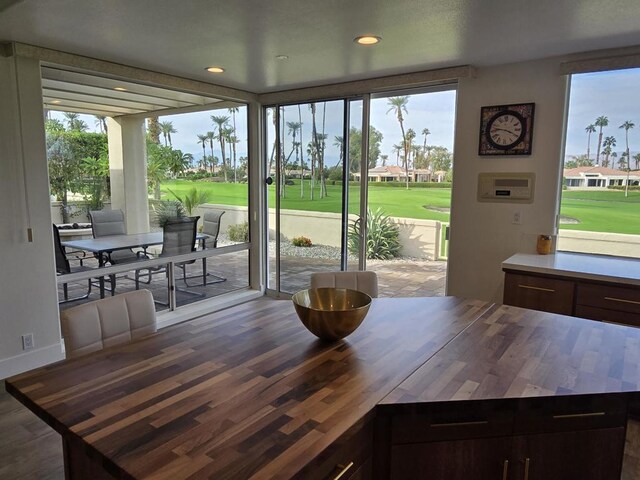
(205, 307)
(29, 360)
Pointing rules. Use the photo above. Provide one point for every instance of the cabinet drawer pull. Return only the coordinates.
(459, 424)
(526, 468)
(531, 287)
(581, 415)
(344, 470)
(505, 469)
(622, 300)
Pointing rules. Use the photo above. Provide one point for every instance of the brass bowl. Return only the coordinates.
(331, 313)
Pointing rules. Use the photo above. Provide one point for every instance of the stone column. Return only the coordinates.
(128, 170)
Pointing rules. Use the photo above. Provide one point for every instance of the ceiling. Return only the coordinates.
(73, 91)
(245, 36)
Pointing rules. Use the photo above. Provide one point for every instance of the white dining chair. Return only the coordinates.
(366, 282)
(111, 321)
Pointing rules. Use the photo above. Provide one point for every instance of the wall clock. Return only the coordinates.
(506, 129)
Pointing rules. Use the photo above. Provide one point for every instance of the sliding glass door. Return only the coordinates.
(361, 184)
(305, 192)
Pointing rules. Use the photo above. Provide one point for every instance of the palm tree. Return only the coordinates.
(608, 144)
(167, 129)
(628, 125)
(153, 129)
(589, 129)
(398, 105)
(233, 111)
(202, 140)
(74, 122)
(221, 121)
(294, 127)
(314, 147)
(101, 122)
(179, 162)
(337, 142)
(636, 157)
(410, 137)
(301, 153)
(426, 133)
(211, 136)
(600, 122)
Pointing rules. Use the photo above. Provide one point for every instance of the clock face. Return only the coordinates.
(505, 129)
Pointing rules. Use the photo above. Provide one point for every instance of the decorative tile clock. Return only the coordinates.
(506, 129)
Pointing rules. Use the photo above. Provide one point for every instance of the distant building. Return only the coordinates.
(394, 173)
(598, 177)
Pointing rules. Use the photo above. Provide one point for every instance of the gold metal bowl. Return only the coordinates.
(331, 313)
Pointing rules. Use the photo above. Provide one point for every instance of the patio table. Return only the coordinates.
(104, 246)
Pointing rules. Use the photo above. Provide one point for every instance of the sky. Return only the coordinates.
(614, 94)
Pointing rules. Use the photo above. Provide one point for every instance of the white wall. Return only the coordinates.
(28, 295)
(482, 234)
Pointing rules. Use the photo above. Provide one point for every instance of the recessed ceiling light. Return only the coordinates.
(56, 101)
(215, 69)
(367, 39)
(282, 57)
(120, 89)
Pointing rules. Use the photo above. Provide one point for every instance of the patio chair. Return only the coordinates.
(211, 226)
(111, 222)
(178, 238)
(366, 282)
(108, 322)
(63, 266)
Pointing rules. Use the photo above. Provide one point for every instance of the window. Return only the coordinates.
(600, 207)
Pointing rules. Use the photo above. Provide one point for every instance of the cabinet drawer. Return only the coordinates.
(344, 458)
(612, 316)
(446, 422)
(570, 413)
(623, 299)
(539, 293)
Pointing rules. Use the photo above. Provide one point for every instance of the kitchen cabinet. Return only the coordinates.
(553, 440)
(587, 286)
(602, 301)
(539, 293)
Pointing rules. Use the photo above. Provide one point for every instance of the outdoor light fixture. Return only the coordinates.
(367, 39)
(120, 89)
(56, 101)
(214, 69)
(282, 57)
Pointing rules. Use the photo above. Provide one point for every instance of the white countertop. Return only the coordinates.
(578, 265)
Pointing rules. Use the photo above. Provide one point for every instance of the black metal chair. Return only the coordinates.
(111, 222)
(63, 267)
(211, 227)
(178, 238)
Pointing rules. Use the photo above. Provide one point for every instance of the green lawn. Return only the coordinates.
(597, 211)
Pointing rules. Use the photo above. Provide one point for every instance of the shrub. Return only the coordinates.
(164, 210)
(239, 232)
(383, 236)
(301, 242)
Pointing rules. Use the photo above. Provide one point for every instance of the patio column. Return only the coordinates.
(128, 171)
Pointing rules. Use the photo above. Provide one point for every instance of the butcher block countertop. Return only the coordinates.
(250, 393)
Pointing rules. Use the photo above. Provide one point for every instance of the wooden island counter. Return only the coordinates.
(426, 388)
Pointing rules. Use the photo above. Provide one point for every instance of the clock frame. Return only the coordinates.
(523, 112)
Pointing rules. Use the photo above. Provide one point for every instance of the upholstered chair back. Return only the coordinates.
(366, 282)
(108, 322)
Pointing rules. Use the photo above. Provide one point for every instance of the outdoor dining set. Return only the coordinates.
(111, 245)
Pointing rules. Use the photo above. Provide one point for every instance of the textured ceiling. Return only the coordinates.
(245, 36)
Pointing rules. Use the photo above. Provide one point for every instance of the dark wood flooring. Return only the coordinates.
(29, 449)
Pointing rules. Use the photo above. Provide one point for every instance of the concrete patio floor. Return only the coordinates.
(396, 278)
